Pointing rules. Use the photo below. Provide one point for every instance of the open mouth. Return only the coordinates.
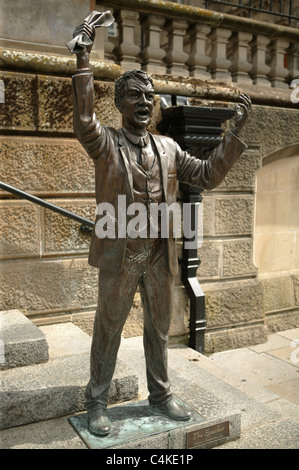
(143, 113)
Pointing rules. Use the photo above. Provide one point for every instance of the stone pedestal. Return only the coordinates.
(135, 427)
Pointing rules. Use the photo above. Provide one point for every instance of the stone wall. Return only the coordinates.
(43, 256)
(242, 305)
(44, 269)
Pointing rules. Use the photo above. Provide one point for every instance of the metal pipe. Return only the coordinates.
(46, 204)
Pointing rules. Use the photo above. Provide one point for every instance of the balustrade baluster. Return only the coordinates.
(198, 60)
(260, 69)
(240, 65)
(152, 54)
(127, 51)
(293, 62)
(176, 57)
(278, 71)
(219, 63)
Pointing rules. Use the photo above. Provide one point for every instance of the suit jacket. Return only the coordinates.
(113, 175)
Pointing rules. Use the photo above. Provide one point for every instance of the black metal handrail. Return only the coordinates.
(258, 7)
(86, 223)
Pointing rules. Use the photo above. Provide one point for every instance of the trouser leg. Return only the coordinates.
(116, 293)
(156, 292)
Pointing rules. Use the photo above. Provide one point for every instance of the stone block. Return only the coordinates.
(233, 302)
(234, 338)
(278, 292)
(56, 109)
(53, 24)
(48, 286)
(19, 230)
(282, 321)
(296, 288)
(275, 251)
(24, 344)
(63, 235)
(272, 127)
(234, 215)
(241, 176)
(18, 112)
(237, 258)
(210, 255)
(46, 166)
(208, 204)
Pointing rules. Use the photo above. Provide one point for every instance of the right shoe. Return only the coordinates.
(172, 410)
(99, 423)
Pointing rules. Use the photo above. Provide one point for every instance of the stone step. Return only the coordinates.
(213, 391)
(267, 420)
(56, 388)
(22, 343)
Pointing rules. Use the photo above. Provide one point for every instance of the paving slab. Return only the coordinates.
(21, 341)
(281, 434)
(66, 339)
(288, 389)
(259, 368)
(292, 334)
(274, 341)
(50, 434)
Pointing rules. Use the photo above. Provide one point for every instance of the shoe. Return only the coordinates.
(172, 410)
(99, 423)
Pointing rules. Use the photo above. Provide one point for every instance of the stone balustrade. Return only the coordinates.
(169, 38)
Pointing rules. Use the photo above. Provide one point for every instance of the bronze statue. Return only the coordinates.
(143, 168)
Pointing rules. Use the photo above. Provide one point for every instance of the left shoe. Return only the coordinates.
(172, 410)
(98, 422)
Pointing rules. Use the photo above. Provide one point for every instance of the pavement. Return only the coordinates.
(269, 373)
(260, 382)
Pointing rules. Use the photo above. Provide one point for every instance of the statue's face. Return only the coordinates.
(137, 105)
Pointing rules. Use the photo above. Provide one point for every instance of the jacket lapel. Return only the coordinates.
(124, 151)
(163, 163)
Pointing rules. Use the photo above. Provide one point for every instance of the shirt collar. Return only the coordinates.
(135, 139)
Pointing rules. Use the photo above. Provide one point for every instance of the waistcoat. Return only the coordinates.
(147, 189)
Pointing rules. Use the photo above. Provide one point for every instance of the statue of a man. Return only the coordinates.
(144, 168)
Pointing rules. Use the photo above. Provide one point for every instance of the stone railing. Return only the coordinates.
(164, 37)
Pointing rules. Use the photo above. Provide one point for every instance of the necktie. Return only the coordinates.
(147, 156)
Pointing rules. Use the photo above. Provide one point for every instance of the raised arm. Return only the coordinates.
(87, 127)
(209, 173)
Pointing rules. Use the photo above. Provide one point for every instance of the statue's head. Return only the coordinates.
(122, 83)
(134, 98)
